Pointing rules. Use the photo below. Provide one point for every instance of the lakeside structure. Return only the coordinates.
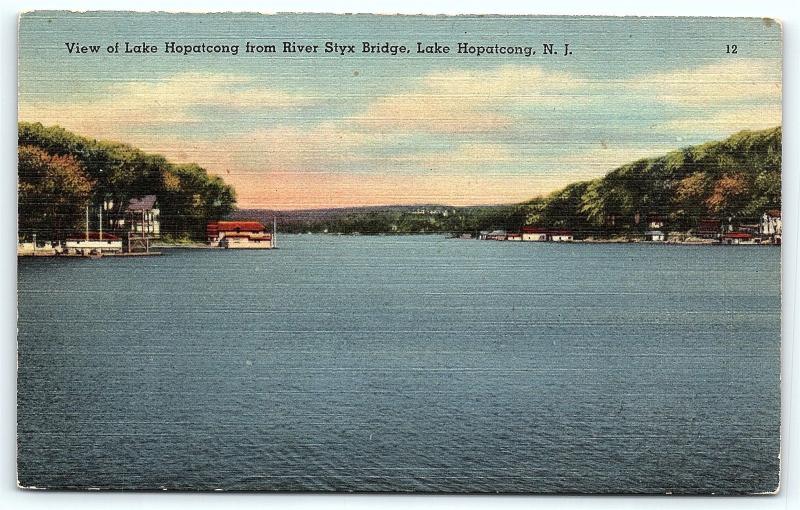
(120, 231)
(93, 243)
(767, 230)
(240, 234)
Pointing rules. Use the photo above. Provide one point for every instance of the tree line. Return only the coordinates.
(60, 173)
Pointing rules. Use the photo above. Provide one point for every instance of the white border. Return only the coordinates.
(11, 497)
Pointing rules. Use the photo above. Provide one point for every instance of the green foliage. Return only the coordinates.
(53, 189)
(739, 177)
(188, 196)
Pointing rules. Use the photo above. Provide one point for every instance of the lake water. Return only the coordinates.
(412, 363)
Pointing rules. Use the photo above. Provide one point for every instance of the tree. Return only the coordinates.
(729, 195)
(53, 191)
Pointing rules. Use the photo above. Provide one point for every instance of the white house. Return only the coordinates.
(654, 235)
(772, 225)
(534, 234)
(560, 235)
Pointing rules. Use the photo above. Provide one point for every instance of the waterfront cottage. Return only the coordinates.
(560, 235)
(239, 234)
(514, 236)
(496, 235)
(142, 216)
(737, 238)
(534, 234)
(654, 235)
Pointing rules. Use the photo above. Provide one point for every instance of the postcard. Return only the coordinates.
(382, 253)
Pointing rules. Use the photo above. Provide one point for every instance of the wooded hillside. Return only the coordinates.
(60, 173)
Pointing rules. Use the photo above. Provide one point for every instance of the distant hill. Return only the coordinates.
(399, 219)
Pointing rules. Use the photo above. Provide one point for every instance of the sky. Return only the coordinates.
(300, 131)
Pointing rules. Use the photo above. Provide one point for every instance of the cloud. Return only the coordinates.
(731, 81)
(727, 120)
(123, 108)
(467, 101)
(487, 135)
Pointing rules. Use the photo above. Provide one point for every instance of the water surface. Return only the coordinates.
(404, 363)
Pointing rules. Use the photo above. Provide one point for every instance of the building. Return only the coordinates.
(142, 217)
(771, 226)
(514, 236)
(496, 235)
(654, 235)
(560, 235)
(93, 243)
(239, 234)
(256, 241)
(534, 234)
(737, 238)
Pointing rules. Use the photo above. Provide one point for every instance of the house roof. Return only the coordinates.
(534, 230)
(144, 203)
(235, 226)
(737, 235)
(560, 232)
(249, 236)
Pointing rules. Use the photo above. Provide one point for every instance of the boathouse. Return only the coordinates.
(560, 235)
(737, 238)
(91, 243)
(534, 234)
(514, 236)
(239, 234)
(654, 235)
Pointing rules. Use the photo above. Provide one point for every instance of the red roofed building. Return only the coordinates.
(238, 234)
(737, 238)
(534, 234)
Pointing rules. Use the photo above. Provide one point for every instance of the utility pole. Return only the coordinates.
(101, 223)
(87, 223)
(274, 232)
